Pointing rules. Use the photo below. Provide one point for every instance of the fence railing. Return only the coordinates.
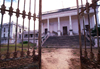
(24, 54)
(88, 62)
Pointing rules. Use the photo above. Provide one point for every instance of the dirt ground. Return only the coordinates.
(62, 58)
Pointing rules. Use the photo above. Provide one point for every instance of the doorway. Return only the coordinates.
(46, 31)
(65, 30)
(87, 27)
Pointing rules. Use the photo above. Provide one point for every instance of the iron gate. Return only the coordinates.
(25, 59)
(88, 62)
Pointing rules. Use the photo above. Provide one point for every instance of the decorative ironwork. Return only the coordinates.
(20, 59)
(87, 62)
(82, 8)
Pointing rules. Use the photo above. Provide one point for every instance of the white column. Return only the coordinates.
(97, 13)
(42, 28)
(58, 26)
(93, 18)
(48, 26)
(70, 25)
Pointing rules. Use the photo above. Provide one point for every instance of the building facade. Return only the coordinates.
(31, 36)
(65, 22)
(4, 35)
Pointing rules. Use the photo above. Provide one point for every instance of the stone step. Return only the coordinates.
(64, 41)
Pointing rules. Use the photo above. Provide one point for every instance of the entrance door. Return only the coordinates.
(87, 27)
(65, 30)
(46, 31)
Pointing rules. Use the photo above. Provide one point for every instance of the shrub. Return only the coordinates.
(25, 42)
(94, 31)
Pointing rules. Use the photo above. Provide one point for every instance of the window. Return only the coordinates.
(4, 35)
(4, 29)
(31, 35)
(19, 36)
(20, 30)
(25, 36)
(36, 35)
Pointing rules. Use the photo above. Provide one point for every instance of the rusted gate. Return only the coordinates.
(87, 59)
(8, 61)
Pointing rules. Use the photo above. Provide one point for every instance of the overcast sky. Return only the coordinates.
(47, 5)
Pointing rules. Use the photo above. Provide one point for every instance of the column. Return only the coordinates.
(93, 20)
(97, 13)
(70, 25)
(42, 28)
(48, 31)
(58, 26)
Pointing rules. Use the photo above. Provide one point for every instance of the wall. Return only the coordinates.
(64, 21)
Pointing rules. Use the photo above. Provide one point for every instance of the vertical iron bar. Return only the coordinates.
(10, 14)
(2, 14)
(40, 20)
(17, 15)
(82, 8)
(87, 8)
(34, 18)
(29, 17)
(85, 52)
(22, 53)
(78, 16)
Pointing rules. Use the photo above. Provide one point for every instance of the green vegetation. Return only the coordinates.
(19, 47)
(94, 31)
(11, 49)
(25, 42)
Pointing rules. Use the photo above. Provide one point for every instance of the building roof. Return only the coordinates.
(12, 23)
(60, 10)
(63, 10)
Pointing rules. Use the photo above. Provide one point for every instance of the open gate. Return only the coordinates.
(88, 62)
(23, 58)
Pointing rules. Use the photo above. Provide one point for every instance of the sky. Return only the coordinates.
(47, 5)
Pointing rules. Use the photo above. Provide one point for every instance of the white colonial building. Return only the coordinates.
(4, 35)
(64, 21)
(31, 36)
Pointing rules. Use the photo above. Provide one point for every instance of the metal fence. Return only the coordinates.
(87, 59)
(20, 58)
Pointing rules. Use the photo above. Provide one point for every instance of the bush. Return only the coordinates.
(94, 31)
(25, 42)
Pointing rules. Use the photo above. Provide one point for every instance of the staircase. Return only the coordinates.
(64, 41)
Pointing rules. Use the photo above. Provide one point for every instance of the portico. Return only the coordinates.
(61, 28)
(63, 22)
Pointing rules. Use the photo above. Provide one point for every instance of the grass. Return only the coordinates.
(12, 47)
(20, 45)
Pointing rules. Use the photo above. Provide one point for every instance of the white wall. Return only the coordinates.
(75, 24)
(64, 22)
(53, 25)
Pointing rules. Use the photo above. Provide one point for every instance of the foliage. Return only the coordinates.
(94, 31)
(25, 42)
